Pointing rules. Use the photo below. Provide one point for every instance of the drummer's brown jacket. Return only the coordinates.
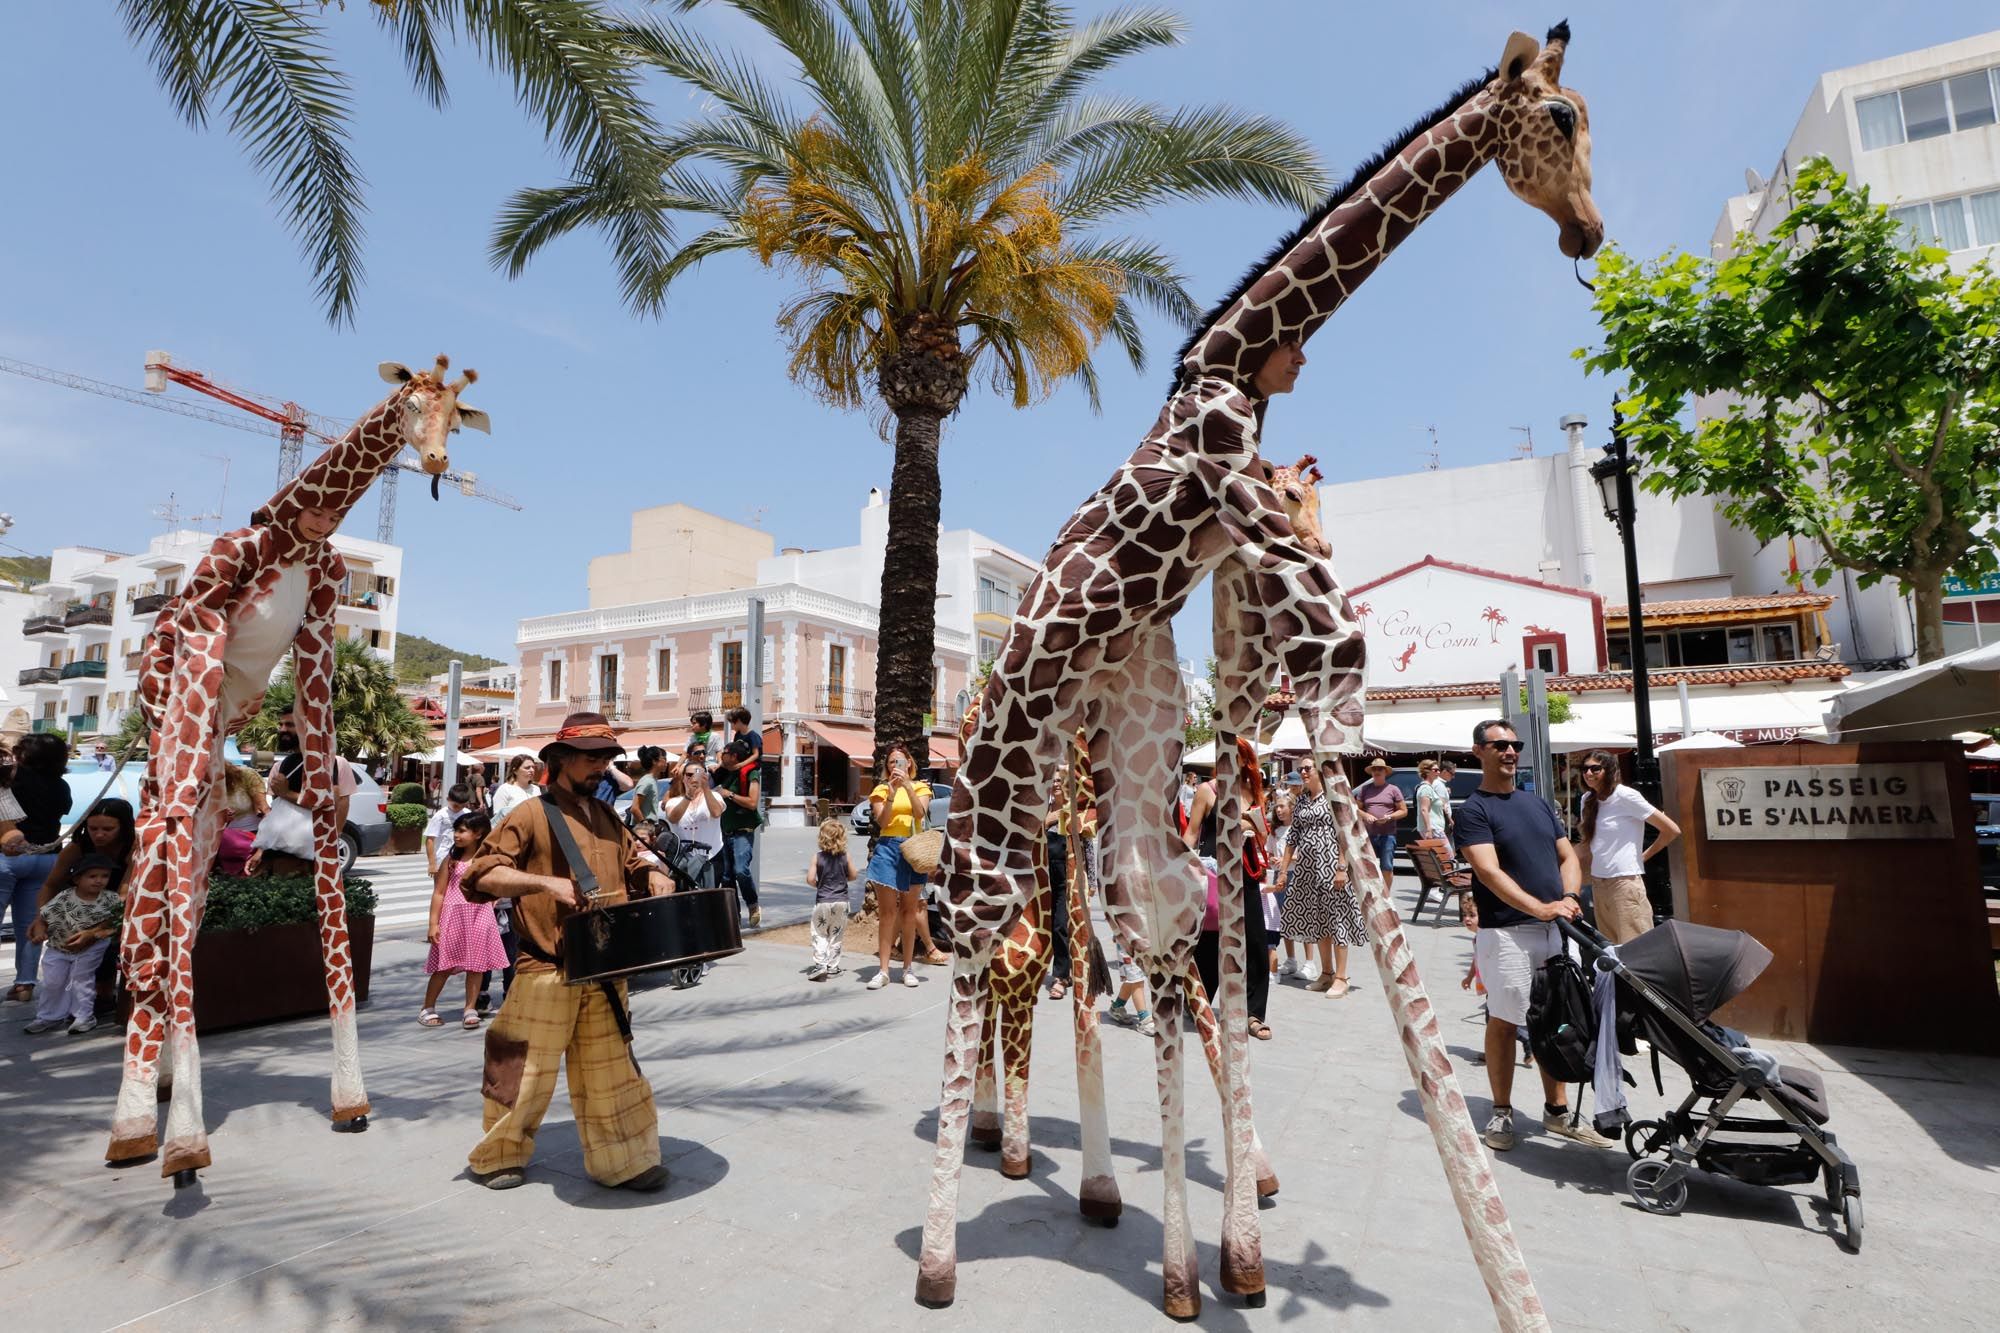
(523, 842)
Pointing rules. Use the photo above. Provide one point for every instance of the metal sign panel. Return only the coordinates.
(1827, 802)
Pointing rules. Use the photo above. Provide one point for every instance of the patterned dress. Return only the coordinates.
(468, 933)
(1314, 909)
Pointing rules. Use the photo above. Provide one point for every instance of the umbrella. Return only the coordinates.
(1927, 702)
(1701, 740)
(1570, 737)
(502, 754)
(1700, 968)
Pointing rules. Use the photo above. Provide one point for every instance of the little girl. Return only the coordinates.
(830, 874)
(79, 924)
(464, 937)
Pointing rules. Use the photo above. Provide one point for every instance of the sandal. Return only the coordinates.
(1058, 991)
(936, 959)
(1260, 1029)
(429, 1018)
(22, 991)
(1338, 990)
(471, 1020)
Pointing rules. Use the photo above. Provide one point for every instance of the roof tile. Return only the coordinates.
(1763, 673)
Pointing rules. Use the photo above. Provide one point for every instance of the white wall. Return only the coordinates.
(1430, 627)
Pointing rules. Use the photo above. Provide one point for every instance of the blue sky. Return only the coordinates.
(124, 230)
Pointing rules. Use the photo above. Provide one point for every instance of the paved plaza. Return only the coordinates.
(798, 1121)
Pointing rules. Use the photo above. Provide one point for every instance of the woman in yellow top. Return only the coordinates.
(900, 804)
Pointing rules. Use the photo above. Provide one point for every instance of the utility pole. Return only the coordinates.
(753, 690)
(451, 702)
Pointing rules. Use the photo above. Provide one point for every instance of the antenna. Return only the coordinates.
(757, 516)
(1526, 448)
(222, 504)
(1753, 181)
(1431, 455)
(170, 514)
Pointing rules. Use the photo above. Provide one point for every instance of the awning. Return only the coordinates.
(857, 741)
(945, 752)
(674, 741)
(1750, 714)
(1927, 702)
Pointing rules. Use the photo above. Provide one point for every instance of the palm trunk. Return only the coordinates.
(1927, 589)
(907, 639)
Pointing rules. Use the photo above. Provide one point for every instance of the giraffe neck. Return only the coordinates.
(340, 476)
(1290, 296)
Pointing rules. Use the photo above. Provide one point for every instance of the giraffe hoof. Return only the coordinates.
(1013, 1168)
(358, 1125)
(1253, 1300)
(935, 1293)
(185, 1178)
(1267, 1187)
(1183, 1309)
(1104, 1212)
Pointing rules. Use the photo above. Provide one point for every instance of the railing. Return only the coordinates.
(149, 604)
(779, 599)
(88, 615)
(42, 625)
(51, 725)
(839, 701)
(43, 675)
(363, 601)
(82, 722)
(87, 669)
(615, 707)
(715, 698)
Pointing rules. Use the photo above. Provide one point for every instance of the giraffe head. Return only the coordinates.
(1544, 128)
(429, 411)
(1298, 487)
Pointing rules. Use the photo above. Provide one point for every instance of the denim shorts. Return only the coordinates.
(888, 868)
(1385, 848)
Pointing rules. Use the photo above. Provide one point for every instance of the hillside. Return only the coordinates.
(418, 659)
(23, 570)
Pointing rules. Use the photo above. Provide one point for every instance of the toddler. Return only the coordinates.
(78, 924)
(831, 873)
(464, 936)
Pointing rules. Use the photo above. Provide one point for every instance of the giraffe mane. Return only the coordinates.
(1360, 177)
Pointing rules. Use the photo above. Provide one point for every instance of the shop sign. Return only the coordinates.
(1988, 584)
(1827, 802)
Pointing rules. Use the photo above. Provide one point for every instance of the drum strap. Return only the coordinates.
(586, 885)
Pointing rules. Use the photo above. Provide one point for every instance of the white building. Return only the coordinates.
(83, 628)
(1922, 131)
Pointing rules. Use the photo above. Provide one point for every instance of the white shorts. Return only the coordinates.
(1508, 958)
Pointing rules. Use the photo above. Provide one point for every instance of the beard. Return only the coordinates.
(288, 742)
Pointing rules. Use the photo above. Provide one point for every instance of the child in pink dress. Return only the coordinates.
(465, 937)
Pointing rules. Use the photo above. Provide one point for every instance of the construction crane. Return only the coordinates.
(289, 422)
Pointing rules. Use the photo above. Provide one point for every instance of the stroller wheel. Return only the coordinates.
(1850, 1215)
(1658, 1187)
(1643, 1138)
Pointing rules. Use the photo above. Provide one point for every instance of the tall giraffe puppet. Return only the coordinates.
(1093, 638)
(260, 592)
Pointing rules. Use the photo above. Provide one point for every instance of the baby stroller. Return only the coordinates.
(1668, 981)
(693, 865)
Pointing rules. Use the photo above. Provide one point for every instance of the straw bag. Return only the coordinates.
(922, 850)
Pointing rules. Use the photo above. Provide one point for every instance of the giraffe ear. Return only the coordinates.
(394, 372)
(473, 419)
(1520, 53)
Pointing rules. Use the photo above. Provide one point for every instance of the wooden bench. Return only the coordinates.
(1434, 876)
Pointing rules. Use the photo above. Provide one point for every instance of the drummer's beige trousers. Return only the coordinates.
(542, 1023)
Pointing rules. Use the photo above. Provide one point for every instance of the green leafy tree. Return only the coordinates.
(1848, 390)
(940, 186)
(369, 717)
(264, 67)
(1199, 728)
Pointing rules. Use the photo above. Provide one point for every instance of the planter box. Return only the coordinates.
(246, 977)
(404, 841)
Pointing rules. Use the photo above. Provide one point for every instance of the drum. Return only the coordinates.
(674, 930)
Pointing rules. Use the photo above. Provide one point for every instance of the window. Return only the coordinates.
(1927, 110)
(607, 683)
(1957, 223)
(1881, 121)
(1972, 100)
(1985, 210)
(1742, 645)
(836, 679)
(1545, 658)
(989, 648)
(732, 675)
(1925, 113)
(663, 670)
(555, 679)
(97, 652)
(995, 597)
(1781, 643)
(170, 586)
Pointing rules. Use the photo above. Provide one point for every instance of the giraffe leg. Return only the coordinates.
(142, 945)
(1097, 1198)
(186, 1146)
(937, 1265)
(985, 1133)
(1209, 1030)
(1017, 1039)
(1180, 1270)
(350, 1100)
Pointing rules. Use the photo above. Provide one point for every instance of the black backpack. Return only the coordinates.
(1562, 1021)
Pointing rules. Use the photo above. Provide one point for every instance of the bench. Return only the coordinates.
(1435, 876)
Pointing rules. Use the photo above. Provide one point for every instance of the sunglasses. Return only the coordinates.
(1593, 768)
(1504, 745)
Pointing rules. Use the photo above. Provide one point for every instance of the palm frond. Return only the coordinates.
(284, 99)
(1207, 152)
(1047, 87)
(416, 24)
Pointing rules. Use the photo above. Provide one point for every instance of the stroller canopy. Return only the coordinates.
(1701, 968)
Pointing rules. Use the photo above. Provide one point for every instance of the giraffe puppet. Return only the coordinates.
(1093, 643)
(260, 592)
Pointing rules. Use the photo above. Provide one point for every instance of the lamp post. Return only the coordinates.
(1614, 476)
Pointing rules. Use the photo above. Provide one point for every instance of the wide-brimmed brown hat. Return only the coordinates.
(1378, 762)
(588, 732)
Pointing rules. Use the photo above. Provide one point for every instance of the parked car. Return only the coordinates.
(862, 818)
(367, 828)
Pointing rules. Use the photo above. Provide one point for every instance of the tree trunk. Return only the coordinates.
(1927, 589)
(907, 639)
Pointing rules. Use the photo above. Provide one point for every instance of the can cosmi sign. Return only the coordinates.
(1827, 801)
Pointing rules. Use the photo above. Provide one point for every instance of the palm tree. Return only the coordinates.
(264, 65)
(939, 195)
(369, 716)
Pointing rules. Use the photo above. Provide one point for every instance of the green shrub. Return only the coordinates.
(407, 793)
(403, 815)
(279, 900)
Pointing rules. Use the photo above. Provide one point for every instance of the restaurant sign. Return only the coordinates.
(1827, 801)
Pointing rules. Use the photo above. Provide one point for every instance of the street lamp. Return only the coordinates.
(1614, 476)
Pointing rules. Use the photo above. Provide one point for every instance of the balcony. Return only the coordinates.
(41, 676)
(149, 604)
(716, 698)
(51, 726)
(87, 669)
(83, 724)
(362, 601)
(43, 624)
(615, 707)
(839, 702)
(88, 615)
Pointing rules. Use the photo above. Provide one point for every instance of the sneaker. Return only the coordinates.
(1308, 970)
(1572, 1127)
(1499, 1133)
(502, 1180)
(909, 978)
(879, 980)
(81, 1026)
(817, 972)
(1121, 1015)
(1289, 968)
(41, 1025)
(651, 1179)
(1146, 1026)
(756, 917)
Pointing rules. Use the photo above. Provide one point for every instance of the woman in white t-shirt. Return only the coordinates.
(694, 808)
(519, 786)
(1613, 830)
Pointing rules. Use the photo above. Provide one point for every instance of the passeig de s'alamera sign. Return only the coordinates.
(1827, 801)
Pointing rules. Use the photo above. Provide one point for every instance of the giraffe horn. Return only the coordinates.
(444, 364)
(465, 380)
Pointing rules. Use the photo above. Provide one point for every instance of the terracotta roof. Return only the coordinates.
(1709, 606)
(1764, 673)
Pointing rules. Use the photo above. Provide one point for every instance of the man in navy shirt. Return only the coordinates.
(1525, 876)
